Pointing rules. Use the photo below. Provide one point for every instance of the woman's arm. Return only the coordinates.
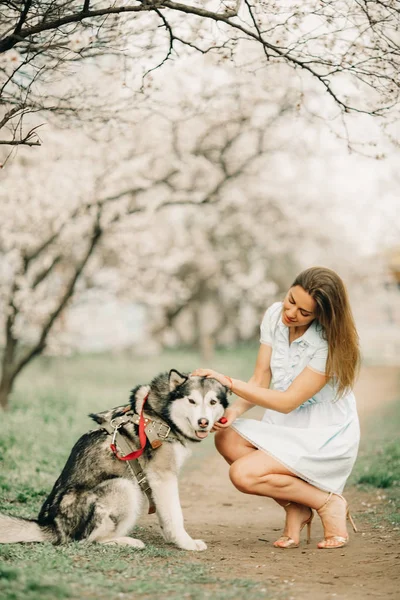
(260, 378)
(305, 385)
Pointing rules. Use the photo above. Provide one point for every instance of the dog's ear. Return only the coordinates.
(176, 379)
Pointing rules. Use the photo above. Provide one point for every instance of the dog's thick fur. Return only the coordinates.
(96, 499)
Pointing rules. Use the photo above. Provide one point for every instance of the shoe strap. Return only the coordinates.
(326, 502)
(285, 538)
(336, 538)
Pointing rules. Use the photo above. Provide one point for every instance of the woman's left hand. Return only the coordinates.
(226, 381)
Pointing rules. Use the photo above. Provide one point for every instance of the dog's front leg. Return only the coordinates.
(166, 496)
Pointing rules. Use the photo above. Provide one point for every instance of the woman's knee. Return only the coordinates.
(246, 480)
(241, 477)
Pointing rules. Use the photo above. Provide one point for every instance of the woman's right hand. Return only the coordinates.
(231, 414)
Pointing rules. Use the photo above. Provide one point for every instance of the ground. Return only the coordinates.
(240, 529)
(48, 414)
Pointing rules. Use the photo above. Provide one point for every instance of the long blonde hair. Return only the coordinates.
(334, 314)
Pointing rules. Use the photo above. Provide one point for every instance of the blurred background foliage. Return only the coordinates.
(187, 171)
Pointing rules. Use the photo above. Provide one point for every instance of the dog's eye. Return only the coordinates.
(212, 402)
(192, 401)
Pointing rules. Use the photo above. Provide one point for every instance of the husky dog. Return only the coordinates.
(97, 498)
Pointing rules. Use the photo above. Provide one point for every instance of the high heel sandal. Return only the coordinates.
(339, 540)
(289, 542)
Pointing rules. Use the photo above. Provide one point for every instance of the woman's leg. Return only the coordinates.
(233, 447)
(260, 474)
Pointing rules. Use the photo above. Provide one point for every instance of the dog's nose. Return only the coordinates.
(203, 423)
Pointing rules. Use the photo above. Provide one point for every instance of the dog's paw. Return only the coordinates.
(194, 545)
(200, 545)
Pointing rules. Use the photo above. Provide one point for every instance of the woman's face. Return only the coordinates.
(298, 308)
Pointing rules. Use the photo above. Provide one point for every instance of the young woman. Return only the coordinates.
(303, 450)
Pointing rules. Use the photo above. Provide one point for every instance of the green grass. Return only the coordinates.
(378, 463)
(384, 469)
(76, 571)
(48, 412)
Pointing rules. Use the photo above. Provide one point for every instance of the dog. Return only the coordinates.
(98, 498)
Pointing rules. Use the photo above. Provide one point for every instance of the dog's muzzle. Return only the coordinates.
(202, 432)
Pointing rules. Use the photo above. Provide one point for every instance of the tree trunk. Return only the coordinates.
(6, 384)
(11, 366)
(8, 371)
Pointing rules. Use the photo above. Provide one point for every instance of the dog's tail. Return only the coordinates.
(14, 530)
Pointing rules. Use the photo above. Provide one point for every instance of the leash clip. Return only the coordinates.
(114, 435)
(116, 424)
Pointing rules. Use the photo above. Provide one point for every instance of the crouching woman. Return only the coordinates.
(303, 450)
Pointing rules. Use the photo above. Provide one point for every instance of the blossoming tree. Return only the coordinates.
(65, 211)
(48, 47)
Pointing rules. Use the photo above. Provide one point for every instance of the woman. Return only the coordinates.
(303, 450)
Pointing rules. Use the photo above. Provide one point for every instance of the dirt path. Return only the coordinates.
(240, 529)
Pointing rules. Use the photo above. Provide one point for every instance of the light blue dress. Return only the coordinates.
(318, 441)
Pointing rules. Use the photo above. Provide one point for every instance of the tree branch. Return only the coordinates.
(24, 14)
(45, 272)
(23, 142)
(41, 343)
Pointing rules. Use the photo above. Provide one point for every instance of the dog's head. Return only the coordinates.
(196, 403)
(189, 404)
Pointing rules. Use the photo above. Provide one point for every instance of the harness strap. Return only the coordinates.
(132, 463)
(154, 431)
(142, 439)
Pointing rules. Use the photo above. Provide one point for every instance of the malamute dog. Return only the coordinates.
(98, 496)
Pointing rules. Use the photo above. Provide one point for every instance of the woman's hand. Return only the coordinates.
(209, 373)
(230, 415)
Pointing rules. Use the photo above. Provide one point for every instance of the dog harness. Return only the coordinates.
(153, 431)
